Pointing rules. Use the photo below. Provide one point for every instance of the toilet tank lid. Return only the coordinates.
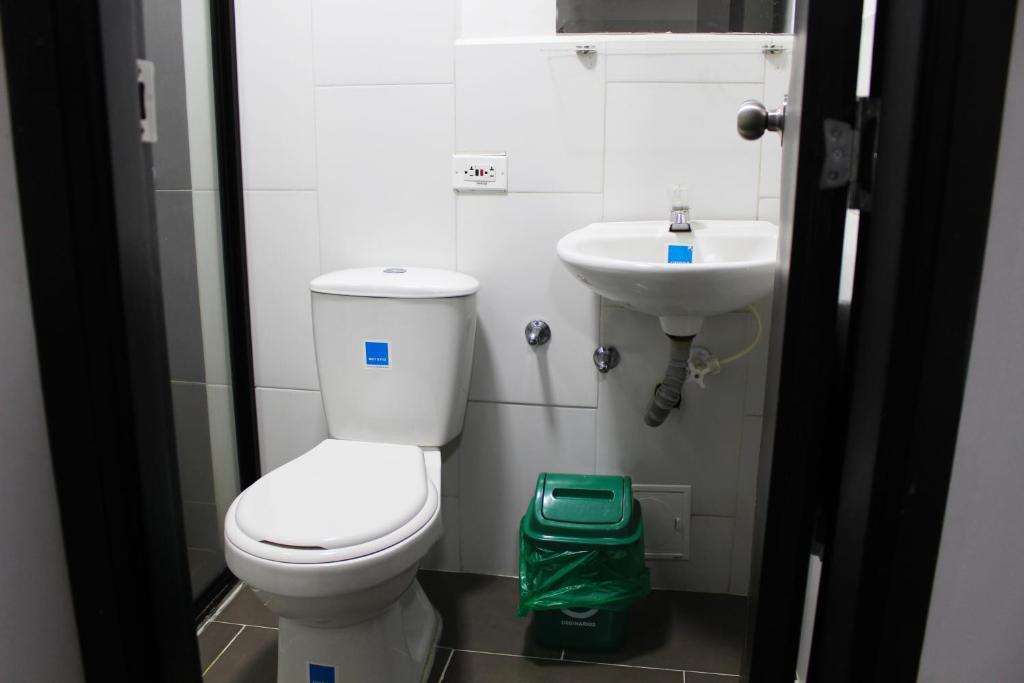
(396, 282)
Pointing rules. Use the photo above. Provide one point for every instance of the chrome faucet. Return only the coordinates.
(680, 220)
(680, 210)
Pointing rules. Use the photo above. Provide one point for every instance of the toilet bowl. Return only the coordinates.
(330, 541)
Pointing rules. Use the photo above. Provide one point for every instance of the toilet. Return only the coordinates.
(331, 541)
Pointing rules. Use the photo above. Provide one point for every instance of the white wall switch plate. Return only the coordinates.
(480, 172)
(666, 510)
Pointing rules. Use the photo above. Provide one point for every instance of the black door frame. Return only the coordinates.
(86, 195)
(236, 275)
(868, 490)
(232, 207)
(802, 398)
(939, 71)
(84, 190)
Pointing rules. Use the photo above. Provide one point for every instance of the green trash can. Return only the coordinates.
(581, 560)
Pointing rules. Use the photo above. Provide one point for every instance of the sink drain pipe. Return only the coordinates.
(669, 393)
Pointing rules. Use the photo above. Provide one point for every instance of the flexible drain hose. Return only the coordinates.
(670, 392)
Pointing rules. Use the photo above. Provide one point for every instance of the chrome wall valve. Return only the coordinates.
(538, 333)
(606, 358)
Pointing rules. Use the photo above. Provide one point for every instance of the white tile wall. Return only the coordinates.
(746, 489)
(771, 169)
(223, 454)
(282, 245)
(708, 568)
(663, 134)
(290, 423)
(758, 362)
(210, 275)
(489, 18)
(445, 555)
(540, 103)
(508, 243)
(188, 402)
(384, 160)
(275, 79)
(450, 468)
(367, 43)
(693, 58)
(698, 445)
(776, 85)
(768, 209)
(198, 58)
(370, 143)
(503, 449)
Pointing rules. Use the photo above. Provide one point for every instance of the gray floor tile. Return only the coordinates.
(471, 667)
(669, 630)
(252, 658)
(692, 677)
(247, 609)
(676, 630)
(479, 613)
(213, 639)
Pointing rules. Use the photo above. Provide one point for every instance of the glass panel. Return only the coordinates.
(674, 16)
(177, 38)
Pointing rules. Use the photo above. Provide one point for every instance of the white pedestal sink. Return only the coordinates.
(627, 262)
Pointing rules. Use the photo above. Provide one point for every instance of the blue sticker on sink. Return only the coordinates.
(680, 253)
(318, 673)
(377, 354)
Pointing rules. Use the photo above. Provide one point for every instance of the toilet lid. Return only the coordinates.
(340, 495)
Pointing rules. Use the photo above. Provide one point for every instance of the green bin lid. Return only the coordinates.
(582, 508)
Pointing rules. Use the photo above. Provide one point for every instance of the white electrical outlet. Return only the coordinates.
(666, 510)
(480, 172)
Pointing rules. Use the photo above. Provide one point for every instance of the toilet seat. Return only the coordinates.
(340, 501)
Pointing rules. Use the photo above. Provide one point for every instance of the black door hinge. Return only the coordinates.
(850, 154)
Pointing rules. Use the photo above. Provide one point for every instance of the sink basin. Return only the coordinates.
(733, 264)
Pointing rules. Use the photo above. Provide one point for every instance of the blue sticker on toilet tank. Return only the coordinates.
(377, 354)
(318, 673)
(680, 253)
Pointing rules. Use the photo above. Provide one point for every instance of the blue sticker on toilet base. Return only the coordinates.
(319, 673)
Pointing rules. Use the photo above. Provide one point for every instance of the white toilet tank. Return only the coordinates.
(394, 349)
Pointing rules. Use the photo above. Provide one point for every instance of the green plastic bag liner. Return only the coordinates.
(581, 549)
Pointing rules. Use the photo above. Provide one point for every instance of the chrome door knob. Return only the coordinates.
(753, 119)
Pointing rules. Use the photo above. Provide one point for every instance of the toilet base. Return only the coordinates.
(395, 646)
